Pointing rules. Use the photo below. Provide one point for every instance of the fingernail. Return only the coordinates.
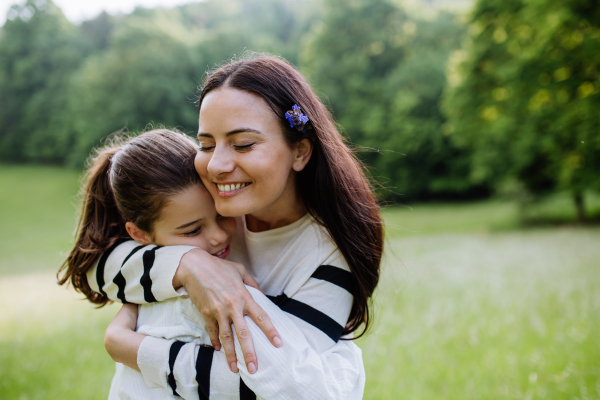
(234, 367)
(277, 341)
(251, 368)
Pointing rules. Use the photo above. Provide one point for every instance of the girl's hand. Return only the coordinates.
(121, 341)
(216, 287)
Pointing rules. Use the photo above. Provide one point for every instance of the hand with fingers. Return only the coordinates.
(217, 289)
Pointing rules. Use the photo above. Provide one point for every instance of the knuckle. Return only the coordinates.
(262, 317)
(227, 337)
(231, 357)
(207, 312)
(249, 356)
(213, 331)
(232, 301)
(244, 333)
(272, 332)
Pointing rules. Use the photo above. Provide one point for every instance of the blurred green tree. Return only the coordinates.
(145, 75)
(524, 95)
(229, 27)
(39, 50)
(384, 86)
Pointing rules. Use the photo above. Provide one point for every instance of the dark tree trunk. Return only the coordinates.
(579, 206)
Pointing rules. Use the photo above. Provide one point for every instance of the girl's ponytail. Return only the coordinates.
(130, 180)
(100, 225)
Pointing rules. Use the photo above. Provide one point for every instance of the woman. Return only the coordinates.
(311, 237)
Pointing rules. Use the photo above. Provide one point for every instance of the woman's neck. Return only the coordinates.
(260, 222)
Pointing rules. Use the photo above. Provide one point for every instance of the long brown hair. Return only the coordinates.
(129, 179)
(333, 186)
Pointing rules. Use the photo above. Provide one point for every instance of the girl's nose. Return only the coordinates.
(220, 162)
(217, 236)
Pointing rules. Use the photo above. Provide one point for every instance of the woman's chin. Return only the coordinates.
(230, 207)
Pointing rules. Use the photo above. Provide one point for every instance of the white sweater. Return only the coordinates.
(308, 283)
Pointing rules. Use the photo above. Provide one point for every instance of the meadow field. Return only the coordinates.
(470, 305)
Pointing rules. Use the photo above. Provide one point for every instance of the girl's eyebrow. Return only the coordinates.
(189, 223)
(233, 132)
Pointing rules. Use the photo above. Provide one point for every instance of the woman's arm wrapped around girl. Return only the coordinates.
(312, 363)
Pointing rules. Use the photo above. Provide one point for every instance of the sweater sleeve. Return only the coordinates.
(312, 363)
(130, 272)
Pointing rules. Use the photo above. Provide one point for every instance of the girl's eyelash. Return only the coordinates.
(193, 232)
(206, 148)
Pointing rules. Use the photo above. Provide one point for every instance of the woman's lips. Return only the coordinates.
(224, 253)
(229, 188)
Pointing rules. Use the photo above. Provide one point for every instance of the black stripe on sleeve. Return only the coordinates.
(173, 352)
(203, 366)
(145, 280)
(335, 275)
(135, 250)
(316, 318)
(102, 265)
(119, 280)
(245, 392)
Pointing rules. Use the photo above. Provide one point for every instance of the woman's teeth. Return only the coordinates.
(231, 187)
(221, 252)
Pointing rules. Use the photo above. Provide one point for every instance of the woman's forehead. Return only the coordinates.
(227, 109)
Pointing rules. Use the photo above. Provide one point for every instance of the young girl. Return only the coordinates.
(146, 188)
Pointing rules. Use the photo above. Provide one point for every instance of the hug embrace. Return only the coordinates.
(255, 250)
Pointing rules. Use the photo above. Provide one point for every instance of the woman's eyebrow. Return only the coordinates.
(233, 132)
(189, 223)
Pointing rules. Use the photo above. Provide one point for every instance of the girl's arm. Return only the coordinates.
(311, 364)
(134, 273)
(120, 336)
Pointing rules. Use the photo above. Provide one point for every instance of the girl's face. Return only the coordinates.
(244, 160)
(190, 218)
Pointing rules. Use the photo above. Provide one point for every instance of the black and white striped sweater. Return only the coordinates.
(307, 281)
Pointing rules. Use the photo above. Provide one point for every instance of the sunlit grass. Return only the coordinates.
(469, 306)
(51, 343)
(501, 316)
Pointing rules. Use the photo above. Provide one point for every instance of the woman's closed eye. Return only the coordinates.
(240, 147)
(244, 146)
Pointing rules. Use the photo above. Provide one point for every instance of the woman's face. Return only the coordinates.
(244, 160)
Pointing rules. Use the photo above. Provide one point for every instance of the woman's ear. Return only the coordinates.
(302, 154)
(137, 234)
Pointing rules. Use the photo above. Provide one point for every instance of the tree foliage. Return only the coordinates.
(39, 50)
(384, 86)
(381, 69)
(524, 94)
(71, 86)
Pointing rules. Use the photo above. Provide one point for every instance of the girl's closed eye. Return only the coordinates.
(193, 232)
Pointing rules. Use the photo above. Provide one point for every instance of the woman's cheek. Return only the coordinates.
(200, 163)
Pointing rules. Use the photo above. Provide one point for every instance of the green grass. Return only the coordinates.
(469, 306)
(37, 217)
(434, 218)
(492, 316)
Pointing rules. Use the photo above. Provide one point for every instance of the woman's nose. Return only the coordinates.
(220, 162)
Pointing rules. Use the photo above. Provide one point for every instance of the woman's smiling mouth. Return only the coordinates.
(230, 189)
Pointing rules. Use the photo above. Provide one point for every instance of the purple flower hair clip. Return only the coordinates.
(298, 119)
